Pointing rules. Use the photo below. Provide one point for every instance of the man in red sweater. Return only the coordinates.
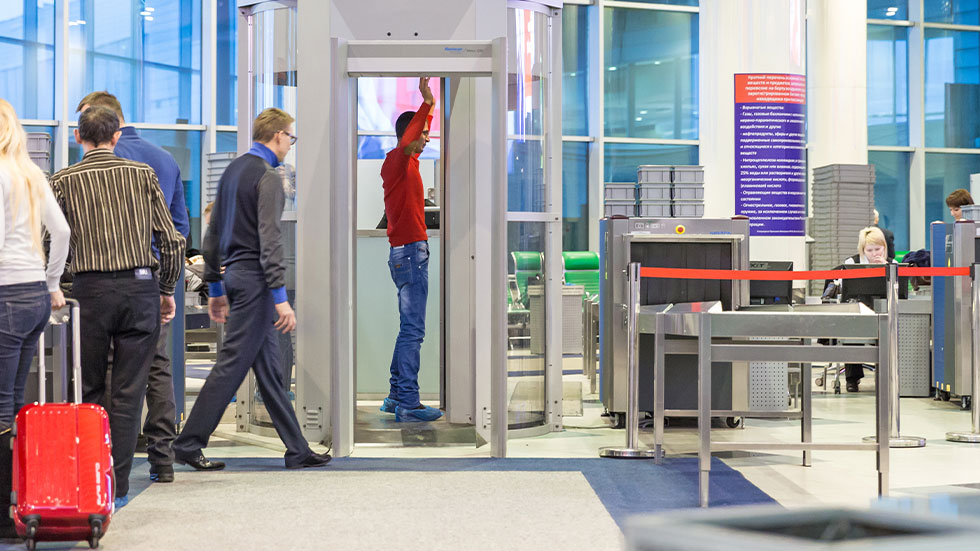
(408, 260)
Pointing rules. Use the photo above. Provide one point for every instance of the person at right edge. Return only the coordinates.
(245, 238)
(408, 259)
(956, 200)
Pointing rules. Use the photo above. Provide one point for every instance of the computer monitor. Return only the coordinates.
(866, 289)
(771, 292)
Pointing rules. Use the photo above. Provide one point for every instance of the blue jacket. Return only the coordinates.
(132, 146)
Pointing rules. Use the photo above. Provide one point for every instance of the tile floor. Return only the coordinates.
(834, 477)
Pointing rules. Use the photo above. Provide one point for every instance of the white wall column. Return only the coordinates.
(748, 36)
(837, 89)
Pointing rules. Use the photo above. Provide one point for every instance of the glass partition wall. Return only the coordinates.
(271, 51)
(534, 215)
(923, 128)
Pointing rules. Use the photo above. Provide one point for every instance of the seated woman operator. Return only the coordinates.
(872, 249)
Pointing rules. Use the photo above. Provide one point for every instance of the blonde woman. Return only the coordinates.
(28, 289)
(872, 249)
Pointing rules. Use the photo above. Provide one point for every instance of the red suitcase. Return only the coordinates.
(62, 478)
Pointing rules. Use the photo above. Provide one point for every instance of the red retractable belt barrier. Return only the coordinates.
(935, 272)
(763, 275)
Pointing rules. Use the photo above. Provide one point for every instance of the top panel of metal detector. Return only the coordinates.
(413, 58)
(419, 49)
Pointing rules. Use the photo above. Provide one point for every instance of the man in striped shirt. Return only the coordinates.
(160, 427)
(115, 209)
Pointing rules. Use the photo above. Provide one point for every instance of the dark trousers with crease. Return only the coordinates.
(160, 427)
(116, 308)
(251, 342)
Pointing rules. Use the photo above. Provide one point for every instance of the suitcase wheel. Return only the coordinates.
(93, 540)
(31, 533)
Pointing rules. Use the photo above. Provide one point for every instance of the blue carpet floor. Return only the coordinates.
(625, 487)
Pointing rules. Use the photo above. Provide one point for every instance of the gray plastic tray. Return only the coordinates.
(692, 174)
(688, 209)
(646, 192)
(625, 208)
(688, 191)
(619, 192)
(654, 209)
(653, 174)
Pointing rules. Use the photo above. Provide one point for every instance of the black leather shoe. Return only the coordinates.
(852, 386)
(314, 460)
(199, 462)
(162, 473)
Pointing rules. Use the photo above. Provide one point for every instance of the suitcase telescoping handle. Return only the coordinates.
(61, 317)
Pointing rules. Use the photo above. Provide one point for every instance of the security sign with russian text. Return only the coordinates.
(770, 152)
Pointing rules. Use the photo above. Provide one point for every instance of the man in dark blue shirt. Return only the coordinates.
(160, 427)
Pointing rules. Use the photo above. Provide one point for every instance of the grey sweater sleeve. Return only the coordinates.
(271, 202)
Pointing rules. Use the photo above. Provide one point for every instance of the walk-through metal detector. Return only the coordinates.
(452, 60)
(466, 44)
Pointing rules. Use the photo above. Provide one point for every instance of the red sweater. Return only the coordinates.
(404, 193)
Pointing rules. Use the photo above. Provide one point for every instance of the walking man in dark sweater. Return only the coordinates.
(244, 237)
(408, 259)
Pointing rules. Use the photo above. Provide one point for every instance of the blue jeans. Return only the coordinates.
(409, 266)
(24, 311)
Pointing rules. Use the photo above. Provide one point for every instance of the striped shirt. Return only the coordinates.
(114, 207)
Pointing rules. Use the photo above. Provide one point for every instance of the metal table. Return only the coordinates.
(724, 337)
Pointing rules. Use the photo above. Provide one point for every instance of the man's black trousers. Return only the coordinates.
(251, 342)
(119, 309)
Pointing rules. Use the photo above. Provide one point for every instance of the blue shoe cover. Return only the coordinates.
(425, 414)
(389, 406)
(120, 502)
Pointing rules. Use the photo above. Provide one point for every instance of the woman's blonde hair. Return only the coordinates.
(26, 179)
(870, 236)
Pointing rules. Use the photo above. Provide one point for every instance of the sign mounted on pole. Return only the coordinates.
(770, 153)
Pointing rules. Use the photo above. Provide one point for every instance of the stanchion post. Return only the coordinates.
(896, 440)
(974, 435)
(632, 450)
(892, 372)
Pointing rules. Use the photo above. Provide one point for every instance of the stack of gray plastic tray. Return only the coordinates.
(39, 150)
(619, 199)
(843, 204)
(670, 191)
(217, 163)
